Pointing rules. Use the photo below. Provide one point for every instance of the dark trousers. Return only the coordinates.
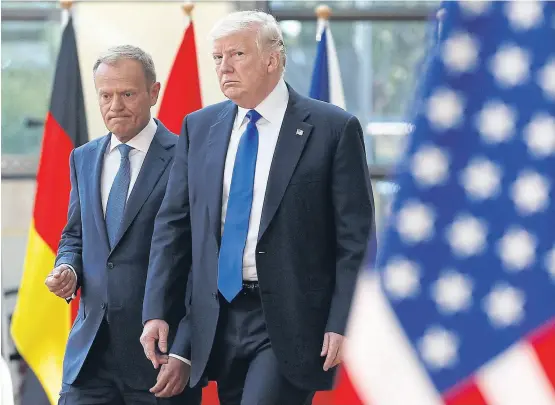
(99, 382)
(245, 365)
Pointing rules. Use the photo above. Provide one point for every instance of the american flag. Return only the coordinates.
(460, 307)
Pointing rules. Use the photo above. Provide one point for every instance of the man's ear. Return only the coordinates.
(273, 62)
(154, 93)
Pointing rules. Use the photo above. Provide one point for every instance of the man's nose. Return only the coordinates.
(117, 103)
(225, 66)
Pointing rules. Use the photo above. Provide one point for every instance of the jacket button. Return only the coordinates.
(215, 295)
(103, 305)
(110, 265)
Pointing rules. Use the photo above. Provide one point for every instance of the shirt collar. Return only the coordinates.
(271, 108)
(141, 141)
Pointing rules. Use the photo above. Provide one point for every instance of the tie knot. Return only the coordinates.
(124, 150)
(253, 116)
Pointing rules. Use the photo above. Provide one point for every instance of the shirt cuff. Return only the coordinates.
(75, 274)
(184, 360)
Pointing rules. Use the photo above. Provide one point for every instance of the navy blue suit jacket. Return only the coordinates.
(113, 280)
(316, 221)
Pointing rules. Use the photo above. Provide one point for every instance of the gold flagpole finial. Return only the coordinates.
(323, 11)
(66, 4)
(188, 8)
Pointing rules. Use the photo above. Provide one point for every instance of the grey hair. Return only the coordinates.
(114, 54)
(269, 36)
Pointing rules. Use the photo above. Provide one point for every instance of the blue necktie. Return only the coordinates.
(118, 194)
(236, 226)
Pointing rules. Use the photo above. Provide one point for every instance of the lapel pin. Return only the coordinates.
(300, 132)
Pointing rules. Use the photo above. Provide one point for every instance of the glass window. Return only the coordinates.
(384, 193)
(393, 5)
(26, 4)
(379, 62)
(29, 51)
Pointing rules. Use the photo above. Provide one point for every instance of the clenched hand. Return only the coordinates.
(155, 330)
(62, 281)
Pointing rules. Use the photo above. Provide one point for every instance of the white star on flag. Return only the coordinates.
(504, 306)
(481, 179)
(438, 348)
(517, 249)
(460, 52)
(445, 109)
(467, 236)
(430, 166)
(510, 66)
(452, 292)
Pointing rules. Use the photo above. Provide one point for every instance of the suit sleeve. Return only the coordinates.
(354, 219)
(71, 243)
(181, 341)
(170, 253)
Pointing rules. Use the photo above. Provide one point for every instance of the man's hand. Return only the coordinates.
(332, 349)
(62, 281)
(155, 330)
(172, 379)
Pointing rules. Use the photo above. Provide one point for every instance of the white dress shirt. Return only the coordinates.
(272, 110)
(140, 144)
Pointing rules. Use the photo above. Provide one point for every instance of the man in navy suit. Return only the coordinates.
(117, 185)
(269, 203)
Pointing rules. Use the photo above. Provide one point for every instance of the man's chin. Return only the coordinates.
(232, 93)
(119, 129)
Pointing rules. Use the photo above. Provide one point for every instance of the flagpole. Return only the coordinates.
(323, 12)
(66, 5)
(187, 8)
(440, 17)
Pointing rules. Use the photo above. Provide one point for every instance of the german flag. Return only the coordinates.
(41, 321)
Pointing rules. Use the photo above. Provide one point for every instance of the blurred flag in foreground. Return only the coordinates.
(460, 309)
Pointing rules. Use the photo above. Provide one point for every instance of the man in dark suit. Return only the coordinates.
(269, 199)
(117, 185)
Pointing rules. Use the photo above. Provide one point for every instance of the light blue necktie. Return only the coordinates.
(236, 226)
(118, 194)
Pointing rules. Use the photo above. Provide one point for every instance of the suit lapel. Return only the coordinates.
(155, 162)
(98, 212)
(289, 148)
(217, 144)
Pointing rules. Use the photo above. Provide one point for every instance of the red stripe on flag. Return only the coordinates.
(182, 93)
(344, 392)
(53, 187)
(210, 394)
(466, 393)
(543, 343)
(53, 184)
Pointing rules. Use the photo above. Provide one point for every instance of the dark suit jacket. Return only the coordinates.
(114, 280)
(316, 221)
